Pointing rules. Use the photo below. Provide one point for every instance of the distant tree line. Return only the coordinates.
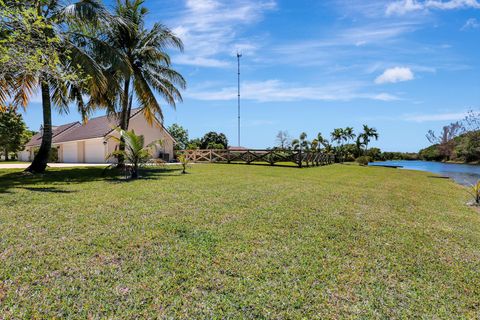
(211, 140)
(344, 143)
(459, 141)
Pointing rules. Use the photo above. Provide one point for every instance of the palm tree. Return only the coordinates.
(348, 134)
(66, 67)
(135, 151)
(151, 69)
(320, 141)
(337, 136)
(359, 143)
(303, 141)
(367, 134)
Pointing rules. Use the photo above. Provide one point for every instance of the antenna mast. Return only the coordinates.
(238, 59)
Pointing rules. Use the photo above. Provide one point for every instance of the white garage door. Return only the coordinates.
(94, 152)
(70, 152)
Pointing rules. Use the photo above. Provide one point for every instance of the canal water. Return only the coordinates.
(464, 174)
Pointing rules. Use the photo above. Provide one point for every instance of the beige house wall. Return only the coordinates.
(151, 133)
(81, 151)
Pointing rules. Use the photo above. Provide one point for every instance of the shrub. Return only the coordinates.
(475, 192)
(364, 160)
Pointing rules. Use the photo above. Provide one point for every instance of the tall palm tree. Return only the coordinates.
(67, 67)
(337, 136)
(151, 69)
(368, 134)
(348, 134)
(321, 141)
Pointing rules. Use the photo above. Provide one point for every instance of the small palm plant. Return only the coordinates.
(136, 154)
(184, 161)
(475, 192)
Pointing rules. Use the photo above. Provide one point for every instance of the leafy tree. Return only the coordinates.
(215, 146)
(194, 144)
(375, 154)
(468, 147)
(211, 138)
(180, 134)
(13, 131)
(135, 151)
(147, 69)
(283, 139)
(42, 47)
(445, 140)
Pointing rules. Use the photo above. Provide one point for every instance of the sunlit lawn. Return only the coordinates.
(237, 241)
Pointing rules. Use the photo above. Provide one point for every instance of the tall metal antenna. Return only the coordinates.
(238, 59)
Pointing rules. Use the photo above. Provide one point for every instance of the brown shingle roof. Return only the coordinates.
(94, 128)
(56, 133)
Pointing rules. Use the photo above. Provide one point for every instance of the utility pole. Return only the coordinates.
(238, 59)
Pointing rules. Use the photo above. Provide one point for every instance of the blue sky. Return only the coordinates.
(403, 67)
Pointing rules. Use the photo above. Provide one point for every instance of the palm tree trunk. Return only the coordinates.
(40, 161)
(135, 171)
(124, 118)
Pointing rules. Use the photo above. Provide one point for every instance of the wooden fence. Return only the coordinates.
(273, 157)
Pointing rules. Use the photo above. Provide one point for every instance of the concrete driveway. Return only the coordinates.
(22, 165)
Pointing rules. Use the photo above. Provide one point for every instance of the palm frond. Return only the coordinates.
(146, 98)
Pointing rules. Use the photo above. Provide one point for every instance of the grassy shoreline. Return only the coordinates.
(238, 241)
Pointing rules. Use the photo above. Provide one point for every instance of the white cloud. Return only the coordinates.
(406, 6)
(386, 97)
(394, 75)
(435, 117)
(403, 7)
(471, 23)
(211, 28)
(278, 91)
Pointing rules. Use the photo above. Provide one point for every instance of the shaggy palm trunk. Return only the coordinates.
(40, 161)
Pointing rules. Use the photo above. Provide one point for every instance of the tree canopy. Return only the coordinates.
(13, 132)
(214, 140)
(180, 134)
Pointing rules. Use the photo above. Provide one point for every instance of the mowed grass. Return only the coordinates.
(236, 241)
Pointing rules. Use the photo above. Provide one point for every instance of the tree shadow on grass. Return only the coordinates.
(53, 180)
(46, 189)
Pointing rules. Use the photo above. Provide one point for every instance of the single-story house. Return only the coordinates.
(91, 142)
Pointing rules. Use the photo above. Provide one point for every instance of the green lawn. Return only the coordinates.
(237, 241)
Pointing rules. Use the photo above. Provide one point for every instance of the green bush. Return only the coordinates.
(364, 160)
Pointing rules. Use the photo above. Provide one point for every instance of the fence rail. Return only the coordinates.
(249, 156)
